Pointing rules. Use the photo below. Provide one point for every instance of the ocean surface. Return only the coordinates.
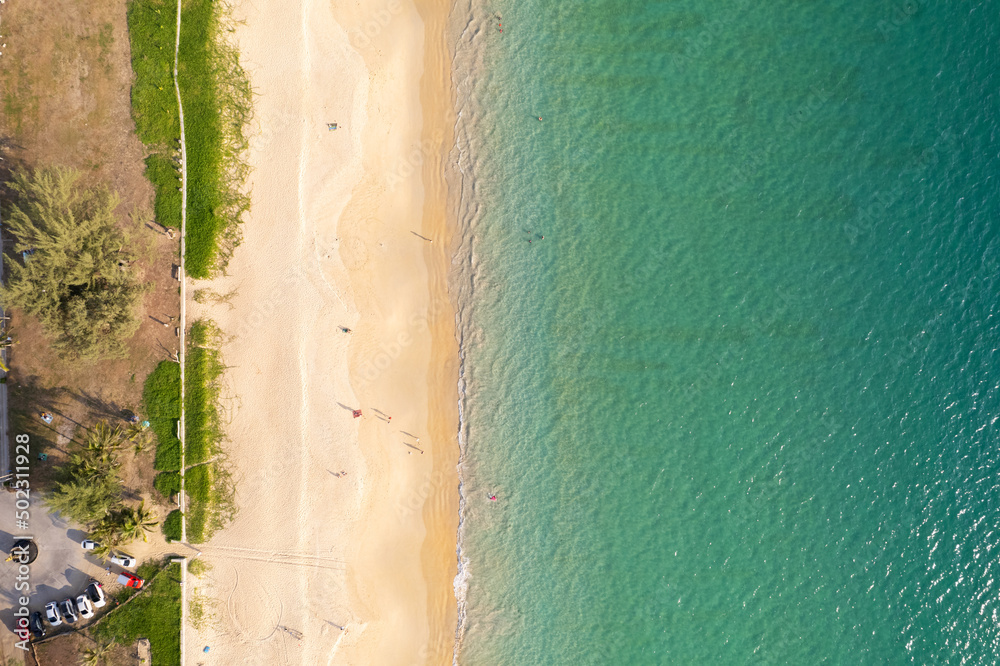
(740, 404)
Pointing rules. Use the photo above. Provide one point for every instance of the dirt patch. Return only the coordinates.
(68, 649)
(65, 79)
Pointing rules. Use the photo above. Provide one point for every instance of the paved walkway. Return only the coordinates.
(183, 323)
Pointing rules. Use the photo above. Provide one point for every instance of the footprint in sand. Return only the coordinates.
(254, 608)
(354, 253)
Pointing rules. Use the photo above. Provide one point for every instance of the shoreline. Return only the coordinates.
(441, 511)
(347, 228)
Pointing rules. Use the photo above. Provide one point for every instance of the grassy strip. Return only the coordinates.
(162, 397)
(155, 614)
(207, 484)
(162, 172)
(167, 483)
(204, 134)
(152, 29)
(172, 525)
(198, 485)
(216, 94)
(202, 372)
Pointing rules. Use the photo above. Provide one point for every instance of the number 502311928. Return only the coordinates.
(21, 484)
(21, 460)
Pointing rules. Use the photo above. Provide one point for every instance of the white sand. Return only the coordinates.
(329, 243)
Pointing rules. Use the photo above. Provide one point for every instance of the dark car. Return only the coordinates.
(68, 610)
(36, 625)
(96, 593)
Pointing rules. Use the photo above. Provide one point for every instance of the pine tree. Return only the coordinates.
(74, 273)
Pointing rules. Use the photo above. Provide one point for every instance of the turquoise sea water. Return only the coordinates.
(740, 404)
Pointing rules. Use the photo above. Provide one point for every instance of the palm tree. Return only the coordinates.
(93, 656)
(104, 439)
(136, 522)
(138, 434)
(104, 546)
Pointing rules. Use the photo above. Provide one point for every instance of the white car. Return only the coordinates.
(52, 614)
(84, 606)
(89, 544)
(123, 560)
(96, 593)
(68, 610)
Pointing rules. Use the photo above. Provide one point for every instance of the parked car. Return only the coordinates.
(130, 580)
(123, 560)
(96, 593)
(52, 614)
(36, 625)
(89, 544)
(68, 610)
(85, 607)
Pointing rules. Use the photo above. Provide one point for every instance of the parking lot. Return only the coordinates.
(62, 569)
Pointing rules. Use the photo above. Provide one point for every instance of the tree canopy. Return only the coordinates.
(73, 267)
(89, 490)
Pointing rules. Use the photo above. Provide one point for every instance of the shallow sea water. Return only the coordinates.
(739, 405)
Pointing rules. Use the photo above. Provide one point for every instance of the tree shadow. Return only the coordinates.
(99, 407)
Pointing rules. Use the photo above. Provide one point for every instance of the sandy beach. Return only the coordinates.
(343, 549)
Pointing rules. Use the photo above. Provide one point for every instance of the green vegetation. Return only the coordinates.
(124, 525)
(89, 490)
(172, 525)
(88, 486)
(155, 614)
(76, 273)
(198, 486)
(206, 481)
(216, 95)
(163, 174)
(198, 567)
(202, 371)
(151, 26)
(168, 483)
(162, 397)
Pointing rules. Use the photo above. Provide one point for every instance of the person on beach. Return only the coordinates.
(493, 498)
